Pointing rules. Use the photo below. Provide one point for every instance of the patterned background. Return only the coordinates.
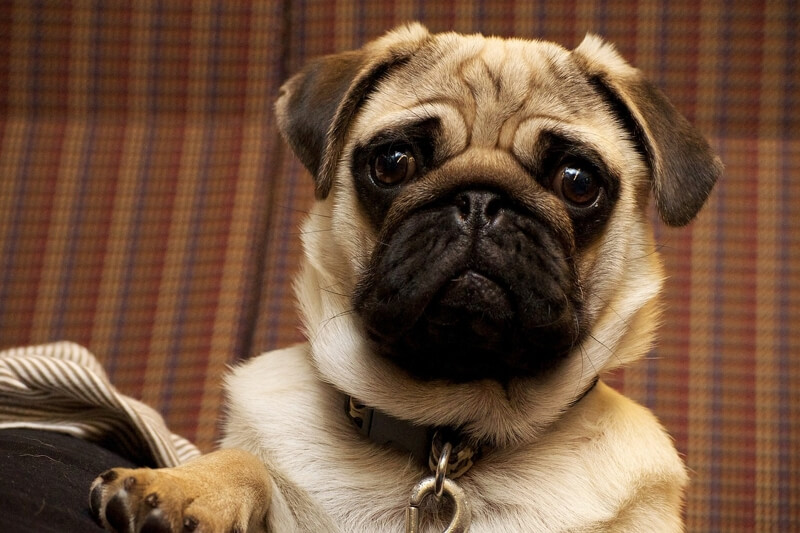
(149, 211)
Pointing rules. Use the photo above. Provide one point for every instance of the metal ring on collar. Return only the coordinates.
(441, 469)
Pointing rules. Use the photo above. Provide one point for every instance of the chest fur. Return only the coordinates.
(281, 412)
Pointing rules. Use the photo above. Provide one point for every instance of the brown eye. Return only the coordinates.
(393, 166)
(576, 185)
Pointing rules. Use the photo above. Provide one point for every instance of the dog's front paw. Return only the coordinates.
(125, 500)
(225, 491)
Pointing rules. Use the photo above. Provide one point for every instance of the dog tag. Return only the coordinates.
(462, 513)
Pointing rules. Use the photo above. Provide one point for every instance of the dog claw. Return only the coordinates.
(109, 475)
(190, 523)
(156, 522)
(152, 500)
(117, 512)
(96, 502)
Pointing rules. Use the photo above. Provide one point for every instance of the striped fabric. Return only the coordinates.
(148, 210)
(61, 387)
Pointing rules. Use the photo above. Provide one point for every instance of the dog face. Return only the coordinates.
(480, 249)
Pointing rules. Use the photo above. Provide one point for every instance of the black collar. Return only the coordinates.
(423, 443)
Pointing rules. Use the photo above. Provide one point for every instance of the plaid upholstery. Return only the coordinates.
(149, 211)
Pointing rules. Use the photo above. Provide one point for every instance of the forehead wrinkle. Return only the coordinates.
(488, 81)
(493, 85)
(493, 77)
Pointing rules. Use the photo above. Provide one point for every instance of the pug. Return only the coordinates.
(480, 252)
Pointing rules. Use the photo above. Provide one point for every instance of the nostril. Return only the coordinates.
(462, 203)
(492, 207)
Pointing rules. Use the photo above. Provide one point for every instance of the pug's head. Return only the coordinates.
(480, 249)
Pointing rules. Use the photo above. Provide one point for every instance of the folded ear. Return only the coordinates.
(684, 168)
(316, 106)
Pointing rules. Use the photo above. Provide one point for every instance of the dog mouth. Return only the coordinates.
(470, 330)
(470, 303)
(460, 334)
(490, 301)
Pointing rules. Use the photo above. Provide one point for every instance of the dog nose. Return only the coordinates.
(478, 208)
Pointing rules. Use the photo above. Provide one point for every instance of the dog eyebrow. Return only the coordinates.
(551, 119)
(583, 141)
(422, 128)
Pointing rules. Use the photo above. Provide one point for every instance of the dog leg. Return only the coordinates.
(224, 491)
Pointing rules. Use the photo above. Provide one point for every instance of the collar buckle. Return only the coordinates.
(423, 443)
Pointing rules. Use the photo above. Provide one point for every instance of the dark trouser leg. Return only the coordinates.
(45, 478)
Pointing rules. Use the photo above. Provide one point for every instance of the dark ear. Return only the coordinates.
(308, 102)
(316, 107)
(684, 168)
